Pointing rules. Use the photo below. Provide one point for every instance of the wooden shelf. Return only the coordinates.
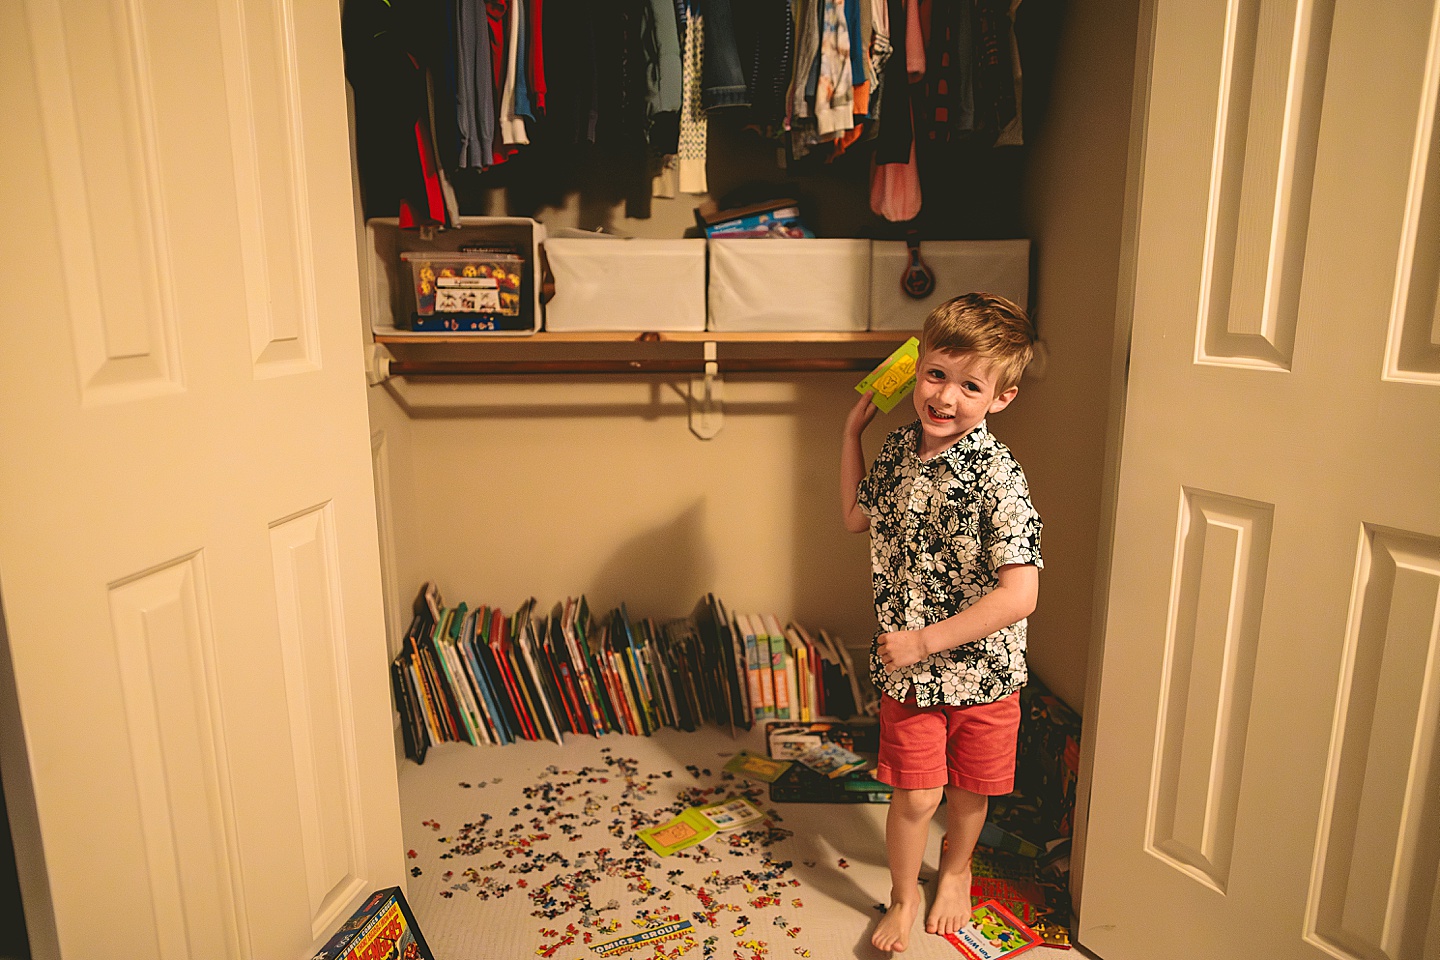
(633, 352)
(396, 336)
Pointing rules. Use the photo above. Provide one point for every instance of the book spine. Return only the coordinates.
(405, 710)
(465, 690)
(501, 651)
(525, 640)
(419, 682)
(621, 665)
(585, 683)
(780, 667)
(499, 695)
(756, 672)
(481, 682)
(595, 676)
(475, 690)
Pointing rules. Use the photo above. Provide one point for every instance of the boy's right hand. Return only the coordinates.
(861, 414)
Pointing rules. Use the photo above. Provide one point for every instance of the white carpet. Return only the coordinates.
(525, 850)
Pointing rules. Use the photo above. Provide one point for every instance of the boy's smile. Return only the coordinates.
(953, 394)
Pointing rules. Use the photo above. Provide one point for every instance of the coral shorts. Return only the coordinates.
(968, 747)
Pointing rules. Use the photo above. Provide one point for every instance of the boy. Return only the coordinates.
(955, 560)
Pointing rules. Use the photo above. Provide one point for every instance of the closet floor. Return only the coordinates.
(530, 850)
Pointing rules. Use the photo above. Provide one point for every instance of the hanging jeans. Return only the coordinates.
(724, 81)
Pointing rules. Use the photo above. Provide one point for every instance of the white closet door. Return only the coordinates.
(188, 555)
(1266, 780)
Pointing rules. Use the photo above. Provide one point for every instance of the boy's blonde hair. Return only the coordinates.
(987, 325)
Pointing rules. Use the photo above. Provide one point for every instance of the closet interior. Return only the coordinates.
(652, 464)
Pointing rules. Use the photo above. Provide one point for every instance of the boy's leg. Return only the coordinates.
(912, 760)
(907, 828)
(964, 818)
(980, 755)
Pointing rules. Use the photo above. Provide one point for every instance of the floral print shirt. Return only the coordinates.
(939, 531)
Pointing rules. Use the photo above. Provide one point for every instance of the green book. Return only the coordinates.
(895, 377)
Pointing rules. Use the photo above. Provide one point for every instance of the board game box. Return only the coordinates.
(382, 929)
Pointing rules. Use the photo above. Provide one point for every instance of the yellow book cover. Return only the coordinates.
(894, 378)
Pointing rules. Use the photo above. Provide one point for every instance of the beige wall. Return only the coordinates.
(558, 487)
(1075, 197)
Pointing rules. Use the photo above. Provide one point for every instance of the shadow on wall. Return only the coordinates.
(660, 572)
(832, 565)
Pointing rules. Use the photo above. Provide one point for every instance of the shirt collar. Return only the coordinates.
(953, 453)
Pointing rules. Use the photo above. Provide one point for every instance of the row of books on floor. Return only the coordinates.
(480, 675)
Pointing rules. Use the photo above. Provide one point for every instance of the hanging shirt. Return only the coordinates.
(833, 92)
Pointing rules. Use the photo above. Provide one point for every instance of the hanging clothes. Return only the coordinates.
(724, 79)
(834, 91)
(694, 129)
(663, 93)
(385, 54)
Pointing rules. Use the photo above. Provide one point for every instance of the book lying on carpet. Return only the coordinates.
(477, 675)
(992, 934)
(697, 824)
(764, 769)
(685, 830)
(831, 759)
(732, 814)
(1008, 877)
(383, 928)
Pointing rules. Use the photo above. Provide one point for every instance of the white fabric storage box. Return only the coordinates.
(960, 266)
(613, 284)
(787, 285)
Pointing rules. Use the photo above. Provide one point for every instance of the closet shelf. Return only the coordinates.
(396, 336)
(656, 353)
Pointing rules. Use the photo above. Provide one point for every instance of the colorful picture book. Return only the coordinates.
(383, 927)
(992, 934)
(686, 830)
(893, 380)
(764, 769)
(831, 759)
(698, 824)
(480, 675)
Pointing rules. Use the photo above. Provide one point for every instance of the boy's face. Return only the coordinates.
(953, 393)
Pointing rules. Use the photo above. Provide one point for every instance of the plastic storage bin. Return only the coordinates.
(789, 285)
(614, 284)
(390, 278)
(960, 266)
(465, 291)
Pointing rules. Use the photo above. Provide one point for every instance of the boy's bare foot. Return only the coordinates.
(951, 909)
(893, 932)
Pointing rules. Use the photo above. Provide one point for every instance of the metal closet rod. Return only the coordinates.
(501, 368)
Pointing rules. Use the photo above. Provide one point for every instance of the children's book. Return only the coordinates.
(686, 830)
(732, 814)
(756, 767)
(382, 927)
(992, 933)
(831, 759)
(893, 380)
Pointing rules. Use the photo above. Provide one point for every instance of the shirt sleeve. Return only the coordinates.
(1011, 524)
(868, 495)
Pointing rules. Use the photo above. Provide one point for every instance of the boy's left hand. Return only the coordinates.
(901, 649)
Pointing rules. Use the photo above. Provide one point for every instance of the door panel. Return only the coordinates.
(188, 550)
(1265, 767)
